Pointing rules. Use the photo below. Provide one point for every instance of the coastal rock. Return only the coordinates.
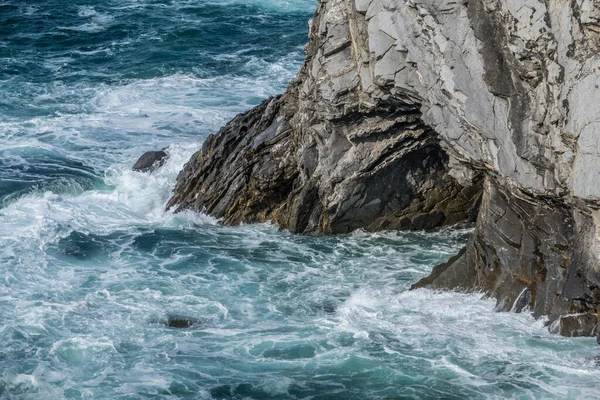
(400, 112)
(578, 325)
(180, 321)
(528, 253)
(322, 159)
(150, 161)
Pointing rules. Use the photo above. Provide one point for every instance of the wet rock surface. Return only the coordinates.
(150, 161)
(180, 322)
(529, 253)
(400, 113)
(578, 325)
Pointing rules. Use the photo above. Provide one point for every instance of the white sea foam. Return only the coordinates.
(30, 10)
(145, 113)
(89, 277)
(22, 382)
(136, 200)
(98, 21)
(82, 344)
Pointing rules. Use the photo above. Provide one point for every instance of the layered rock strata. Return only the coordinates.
(402, 109)
(530, 253)
(326, 157)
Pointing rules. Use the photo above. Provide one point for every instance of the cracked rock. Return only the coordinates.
(400, 112)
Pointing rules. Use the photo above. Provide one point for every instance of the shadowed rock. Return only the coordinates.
(532, 253)
(578, 325)
(150, 161)
(180, 322)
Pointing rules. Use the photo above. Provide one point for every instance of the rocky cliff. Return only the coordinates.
(413, 114)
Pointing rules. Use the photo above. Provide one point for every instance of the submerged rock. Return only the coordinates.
(180, 322)
(399, 114)
(150, 161)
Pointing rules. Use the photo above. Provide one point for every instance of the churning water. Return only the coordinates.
(93, 270)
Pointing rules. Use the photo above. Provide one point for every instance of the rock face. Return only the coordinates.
(402, 110)
(578, 325)
(327, 158)
(529, 253)
(150, 161)
(255, 169)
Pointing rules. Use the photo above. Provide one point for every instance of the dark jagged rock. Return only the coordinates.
(527, 252)
(253, 171)
(180, 322)
(320, 159)
(457, 278)
(150, 161)
(245, 171)
(578, 325)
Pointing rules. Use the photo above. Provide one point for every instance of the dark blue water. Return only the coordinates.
(92, 268)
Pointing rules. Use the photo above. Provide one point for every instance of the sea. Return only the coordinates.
(93, 268)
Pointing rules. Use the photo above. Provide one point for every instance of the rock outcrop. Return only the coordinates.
(528, 252)
(327, 158)
(400, 113)
(150, 161)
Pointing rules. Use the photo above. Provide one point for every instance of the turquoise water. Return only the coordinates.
(92, 267)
